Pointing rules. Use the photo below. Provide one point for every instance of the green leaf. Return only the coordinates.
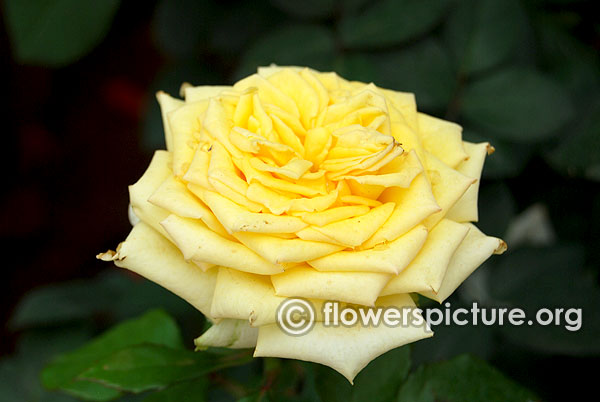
(379, 381)
(143, 367)
(517, 104)
(303, 45)
(233, 34)
(578, 153)
(181, 392)
(423, 69)
(20, 373)
(116, 295)
(482, 33)
(90, 391)
(356, 67)
(306, 8)
(153, 327)
(462, 379)
(450, 341)
(58, 32)
(553, 277)
(570, 61)
(389, 22)
(180, 26)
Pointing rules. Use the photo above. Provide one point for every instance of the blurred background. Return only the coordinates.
(81, 123)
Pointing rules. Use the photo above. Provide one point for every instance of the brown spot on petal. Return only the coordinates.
(502, 247)
(107, 256)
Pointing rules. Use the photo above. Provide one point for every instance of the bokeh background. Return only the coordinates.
(80, 123)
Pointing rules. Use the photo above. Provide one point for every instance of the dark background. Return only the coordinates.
(80, 124)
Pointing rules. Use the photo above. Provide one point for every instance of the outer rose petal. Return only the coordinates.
(278, 250)
(173, 196)
(426, 272)
(413, 205)
(149, 254)
(158, 171)
(245, 296)
(198, 243)
(352, 287)
(443, 139)
(250, 298)
(472, 252)
(465, 209)
(354, 231)
(195, 94)
(346, 349)
(237, 219)
(184, 123)
(389, 258)
(447, 185)
(333, 214)
(228, 333)
(167, 104)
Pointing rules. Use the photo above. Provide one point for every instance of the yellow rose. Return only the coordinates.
(297, 183)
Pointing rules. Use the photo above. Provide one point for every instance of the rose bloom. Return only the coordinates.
(297, 183)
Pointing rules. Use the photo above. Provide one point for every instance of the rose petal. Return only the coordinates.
(185, 123)
(221, 168)
(197, 242)
(443, 139)
(357, 199)
(237, 219)
(346, 349)
(218, 125)
(447, 185)
(472, 252)
(293, 169)
(316, 145)
(287, 135)
(390, 258)
(413, 205)
(406, 104)
(173, 196)
(139, 193)
(313, 80)
(465, 209)
(279, 250)
(244, 296)
(426, 272)
(318, 203)
(297, 88)
(310, 233)
(308, 188)
(352, 287)
(272, 200)
(167, 104)
(333, 214)
(228, 333)
(203, 92)
(197, 172)
(354, 231)
(268, 93)
(149, 254)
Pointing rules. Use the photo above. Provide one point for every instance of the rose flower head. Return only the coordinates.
(294, 183)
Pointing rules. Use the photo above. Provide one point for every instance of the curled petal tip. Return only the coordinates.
(502, 247)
